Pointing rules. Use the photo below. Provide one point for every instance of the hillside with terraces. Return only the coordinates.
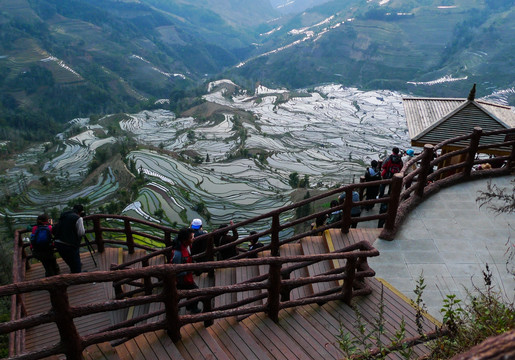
(288, 303)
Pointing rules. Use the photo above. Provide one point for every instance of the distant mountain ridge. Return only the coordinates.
(401, 45)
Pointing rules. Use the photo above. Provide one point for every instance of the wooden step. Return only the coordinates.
(341, 240)
(197, 343)
(100, 351)
(38, 302)
(243, 274)
(296, 250)
(313, 245)
(236, 341)
(320, 345)
(273, 340)
(224, 277)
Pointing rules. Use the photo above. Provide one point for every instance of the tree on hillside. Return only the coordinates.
(294, 180)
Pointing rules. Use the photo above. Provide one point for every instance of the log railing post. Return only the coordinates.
(285, 290)
(393, 203)
(147, 280)
(425, 168)
(274, 291)
(171, 302)
(99, 240)
(128, 235)
(274, 243)
(210, 253)
(474, 144)
(207, 306)
(168, 238)
(350, 274)
(70, 338)
(347, 209)
(361, 189)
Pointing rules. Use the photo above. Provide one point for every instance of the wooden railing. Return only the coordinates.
(275, 289)
(424, 182)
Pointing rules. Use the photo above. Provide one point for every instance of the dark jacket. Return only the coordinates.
(65, 230)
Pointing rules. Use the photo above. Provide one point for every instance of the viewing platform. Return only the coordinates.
(294, 299)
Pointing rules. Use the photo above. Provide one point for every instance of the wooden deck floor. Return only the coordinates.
(307, 332)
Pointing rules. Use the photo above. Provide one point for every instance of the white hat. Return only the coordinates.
(196, 224)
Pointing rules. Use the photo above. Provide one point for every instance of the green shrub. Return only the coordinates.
(486, 314)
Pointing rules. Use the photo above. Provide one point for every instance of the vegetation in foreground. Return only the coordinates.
(486, 313)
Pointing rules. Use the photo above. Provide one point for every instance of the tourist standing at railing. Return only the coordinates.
(223, 239)
(392, 165)
(182, 255)
(42, 245)
(373, 173)
(199, 246)
(68, 232)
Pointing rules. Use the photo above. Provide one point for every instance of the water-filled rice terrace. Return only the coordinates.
(329, 133)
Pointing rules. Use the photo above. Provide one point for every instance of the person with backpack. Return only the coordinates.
(68, 233)
(182, 255)
(392, 165)
(42, 245)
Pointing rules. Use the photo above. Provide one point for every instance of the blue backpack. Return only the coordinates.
(42, 238)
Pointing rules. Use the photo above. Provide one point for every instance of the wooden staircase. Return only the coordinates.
(303, 332)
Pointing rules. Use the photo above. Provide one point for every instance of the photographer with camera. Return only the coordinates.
(68, 233)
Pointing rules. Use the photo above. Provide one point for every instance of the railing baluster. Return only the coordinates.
(347, 209)
(168, 238)
(210, 253)
(128, 234)
(70, 338)
(474, 143)
(393, 204)
(348, 283)
(99, 240)
(147, 280)
(274, 291)
(274, 244)
(171, 301)
(425, 168)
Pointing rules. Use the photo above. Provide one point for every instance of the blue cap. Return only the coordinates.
(410, 152)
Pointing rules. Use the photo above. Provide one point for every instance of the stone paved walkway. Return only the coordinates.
(449, 239)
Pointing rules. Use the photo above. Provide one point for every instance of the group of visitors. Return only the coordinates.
(385, 169)
(65, 237)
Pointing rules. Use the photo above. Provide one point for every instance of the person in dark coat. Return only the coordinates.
(68, 233)
(223, 239)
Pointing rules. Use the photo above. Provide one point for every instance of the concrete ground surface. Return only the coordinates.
(449, 239)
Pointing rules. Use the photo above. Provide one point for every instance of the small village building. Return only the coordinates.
(433, 120)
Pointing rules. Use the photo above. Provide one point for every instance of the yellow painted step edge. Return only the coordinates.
(330, 246)
(409, 301)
